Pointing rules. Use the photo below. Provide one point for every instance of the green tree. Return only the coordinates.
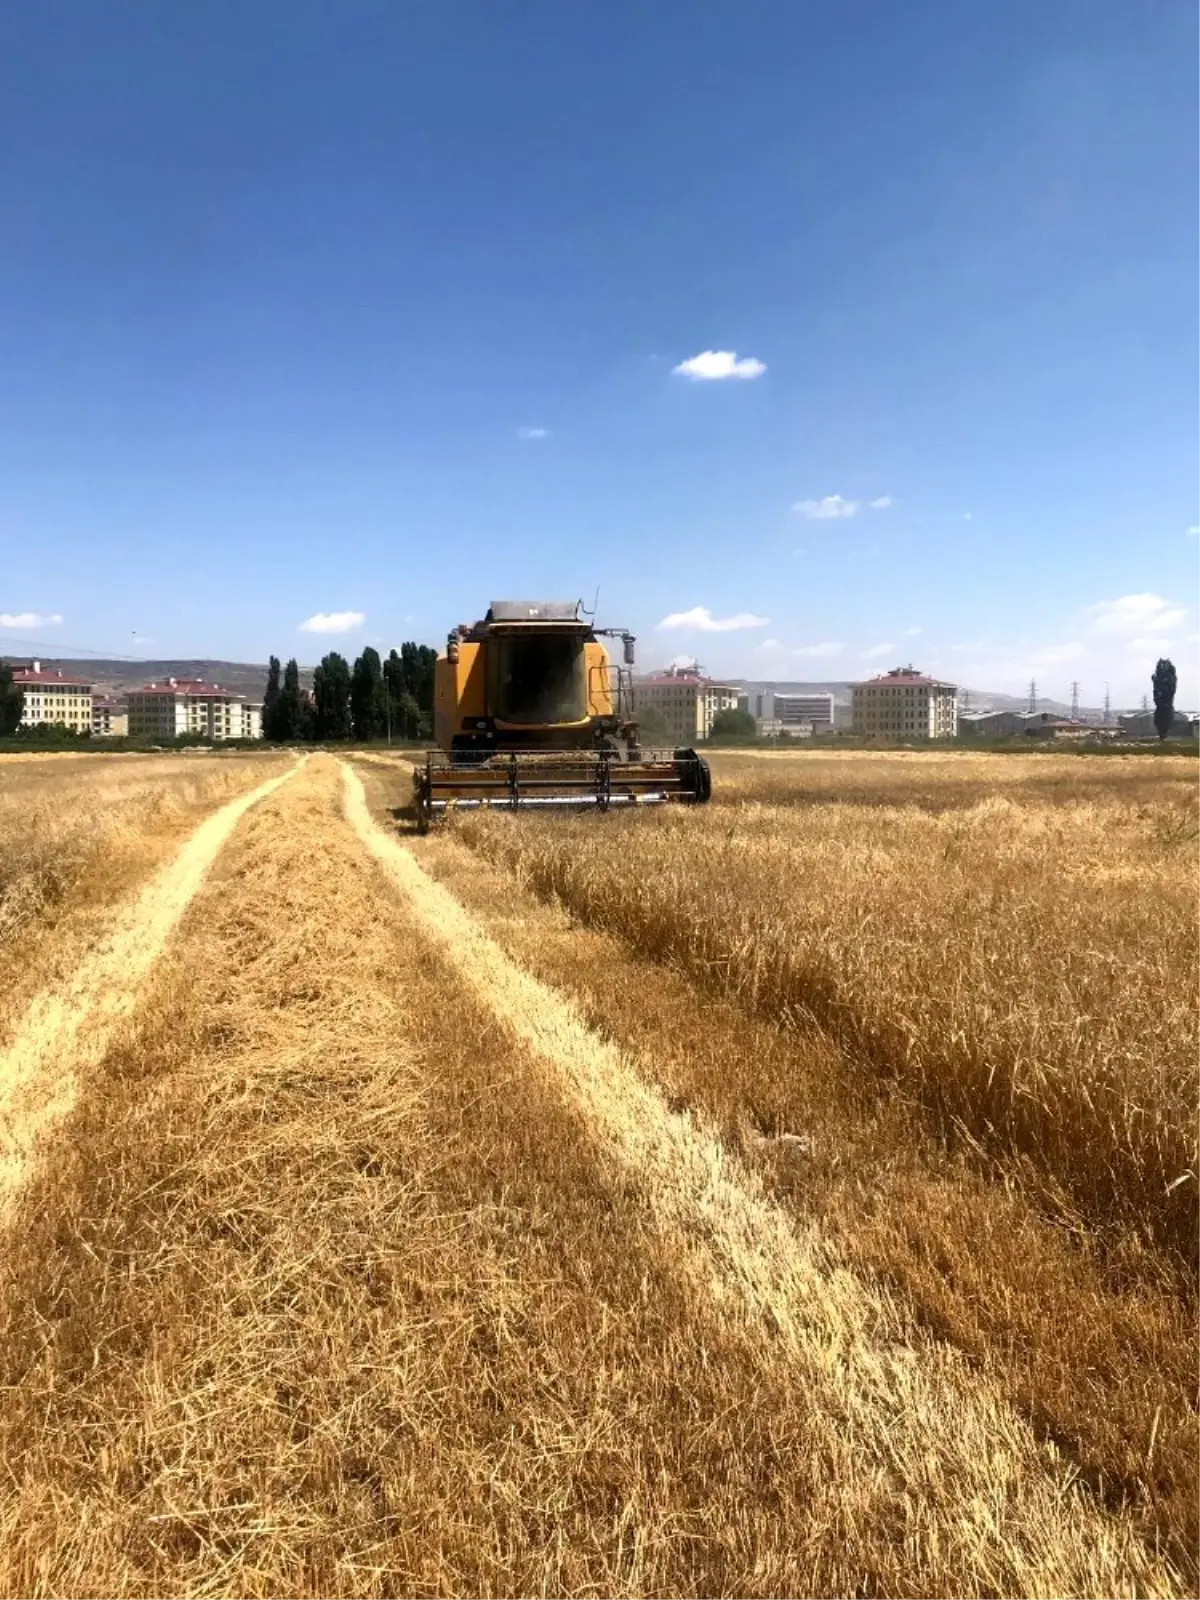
(12, 701)
(368, 696)
(270, 706)
(653, 732)
(409, 678)
(735, 726)
(331, 692)
(1163, 683)
(289, 712)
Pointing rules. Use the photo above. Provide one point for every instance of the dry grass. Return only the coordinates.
(70, 1022)
(1101, 1363)
(340, 1286)
(74, 828)
(1020, 963)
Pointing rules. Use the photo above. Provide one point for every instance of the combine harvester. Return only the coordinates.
(530, 712)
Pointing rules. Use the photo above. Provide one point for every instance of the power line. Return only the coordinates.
(75, 650)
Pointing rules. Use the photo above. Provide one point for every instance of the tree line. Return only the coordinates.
(373, 699)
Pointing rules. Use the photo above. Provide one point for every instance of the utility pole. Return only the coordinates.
(965, 703)
(1107, 707)
(1074, 702)
(1032, 696)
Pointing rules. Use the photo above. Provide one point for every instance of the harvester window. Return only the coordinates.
(539, 679)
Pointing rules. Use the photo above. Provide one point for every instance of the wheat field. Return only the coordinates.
(791, 1197)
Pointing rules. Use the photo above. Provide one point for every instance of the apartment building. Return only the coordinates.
(905, 704)
(110, 720)
(52, 699)
(793, 712)
(189, 705)
(686, 701)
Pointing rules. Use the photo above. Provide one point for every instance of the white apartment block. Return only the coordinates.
(808, 711)
(110, 720)
(685, 700)
(905, 704)
(52, 699)
(188, 705)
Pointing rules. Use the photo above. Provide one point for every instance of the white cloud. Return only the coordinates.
(967, 516)
(831, 506)
(687, 663)
(702, 619)
(824, 649)
(882, 503)
(533, 433)
(333, 622)
(911, 633)
(28, 619)
(713, 364)
(877, 650)
(1194, 531)
(1136, 615)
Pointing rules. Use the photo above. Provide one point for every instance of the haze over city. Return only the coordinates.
(818, 338)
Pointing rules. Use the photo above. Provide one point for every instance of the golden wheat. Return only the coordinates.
(1025, 967)
(338, 1287)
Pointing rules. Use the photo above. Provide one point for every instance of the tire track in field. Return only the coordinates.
(69, 1026)
(912, 1410)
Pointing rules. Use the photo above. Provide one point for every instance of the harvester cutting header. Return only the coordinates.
(529, 711)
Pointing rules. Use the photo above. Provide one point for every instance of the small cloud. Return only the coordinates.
(702, 619)
(1136, 615)
(877, 650)
(967, 516)
(1194, 531)
(533, 433)
(882, 503)
(824, 649)
(1149, 647)
(685, 663)
(710, 365)
(333, 622)
(910, 633)
(831, 506)
(29, 619)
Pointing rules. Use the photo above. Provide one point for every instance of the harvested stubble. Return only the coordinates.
(334, 1292)
(74, 829)
(1024, 968)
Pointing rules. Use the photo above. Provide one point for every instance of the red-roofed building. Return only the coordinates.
(54, 699)
(189, 705)
(686, 701)
(110, 719)
(905, 704)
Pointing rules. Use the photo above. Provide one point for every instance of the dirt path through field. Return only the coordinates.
(69, 1026)
(947, 1434)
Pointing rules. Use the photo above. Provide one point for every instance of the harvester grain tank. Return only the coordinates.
(530, 712)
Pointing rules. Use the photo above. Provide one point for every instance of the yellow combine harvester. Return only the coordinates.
(529, 712)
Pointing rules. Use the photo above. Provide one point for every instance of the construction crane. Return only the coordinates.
(530, 712)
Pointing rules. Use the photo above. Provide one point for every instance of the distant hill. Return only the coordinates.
(246, 678)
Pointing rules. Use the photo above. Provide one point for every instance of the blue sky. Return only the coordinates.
(386, 310)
